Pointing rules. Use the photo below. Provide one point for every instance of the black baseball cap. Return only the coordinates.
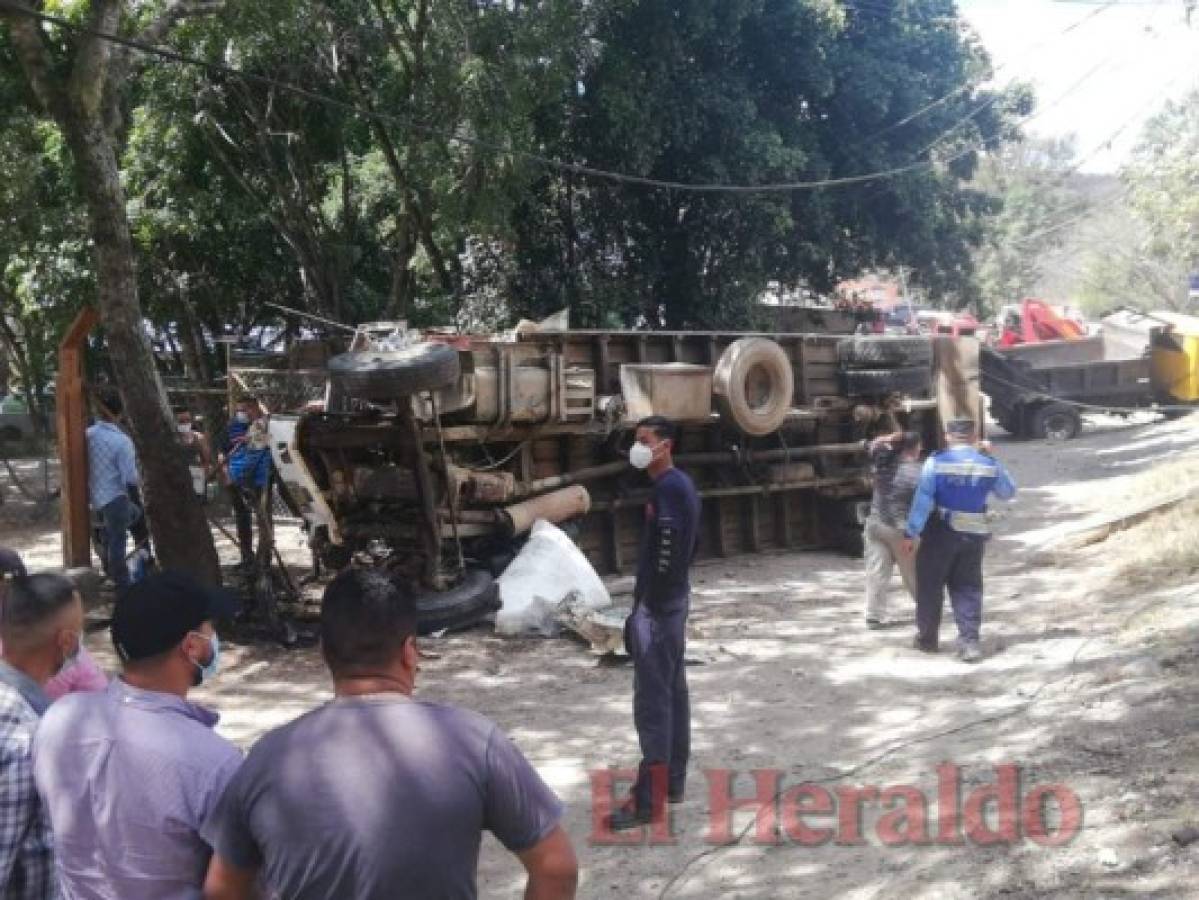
(154, 614)
(962, 428)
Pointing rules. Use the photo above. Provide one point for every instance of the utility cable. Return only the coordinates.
(1037, 393)
(1070, 675)
(172, 55)
(1027, 51)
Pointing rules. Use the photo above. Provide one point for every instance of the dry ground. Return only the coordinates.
(1091, 682)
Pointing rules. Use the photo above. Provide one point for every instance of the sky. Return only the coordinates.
(1101, 80)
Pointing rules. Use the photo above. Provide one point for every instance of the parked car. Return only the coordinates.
(16, 422)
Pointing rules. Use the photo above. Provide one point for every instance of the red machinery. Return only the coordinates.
(1035, 322)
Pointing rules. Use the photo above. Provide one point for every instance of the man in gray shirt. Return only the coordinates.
(375, 795)
(128, 774)
(895, 460)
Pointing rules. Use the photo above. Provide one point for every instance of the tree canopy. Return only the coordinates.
(414, 192)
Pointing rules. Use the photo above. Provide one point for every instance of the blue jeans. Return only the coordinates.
(118, 515)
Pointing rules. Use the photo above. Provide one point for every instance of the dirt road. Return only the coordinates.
(1089, 689)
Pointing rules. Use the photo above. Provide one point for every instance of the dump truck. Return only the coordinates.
(1138, 362)
(431, 455)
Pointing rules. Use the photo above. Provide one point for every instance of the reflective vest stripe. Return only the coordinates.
(968, 469)
(966, 522)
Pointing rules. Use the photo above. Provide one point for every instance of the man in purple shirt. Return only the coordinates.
(377, 795)
(129, 775)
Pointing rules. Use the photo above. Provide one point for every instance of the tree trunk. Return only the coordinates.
(181, 534)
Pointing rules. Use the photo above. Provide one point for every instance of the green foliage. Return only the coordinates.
(242, 194)
(1033, 193)
(755, 91)
(45, 268)
(1152, 244)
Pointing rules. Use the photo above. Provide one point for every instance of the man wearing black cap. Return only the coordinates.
(949, 515)
(130, 774)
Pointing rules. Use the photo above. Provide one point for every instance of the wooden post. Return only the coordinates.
(72, 441)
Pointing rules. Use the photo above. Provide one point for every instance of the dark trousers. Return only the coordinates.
(119, 515)
(250, 502)
(949, 559)
(661, 703)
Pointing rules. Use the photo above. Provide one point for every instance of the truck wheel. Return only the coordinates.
(384, 374)
(879, 382)
(1009, 420)
(753, 385)
(884, 352)
(461, 606)
(1056, 422)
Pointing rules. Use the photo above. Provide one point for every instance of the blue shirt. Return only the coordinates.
(958, 480)
(129, 777)
(668, 543)
(250, 453)
(111, 464)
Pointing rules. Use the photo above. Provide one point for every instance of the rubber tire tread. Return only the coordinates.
(1039, 417)
(385, 374)
(879, 382)
(728, 385)
(462, 606)
(884, 352)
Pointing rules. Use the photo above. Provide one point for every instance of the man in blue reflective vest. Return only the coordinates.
(656, 632)
(949, 516)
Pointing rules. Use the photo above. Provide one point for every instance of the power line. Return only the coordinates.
(929, 107)
(176, 56)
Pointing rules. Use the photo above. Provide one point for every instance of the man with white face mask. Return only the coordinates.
(129, 775)
(41, 624)
(194, 446)
(656, 631)
(248, 466)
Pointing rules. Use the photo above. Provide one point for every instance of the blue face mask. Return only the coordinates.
(242, 417)
(208, 670)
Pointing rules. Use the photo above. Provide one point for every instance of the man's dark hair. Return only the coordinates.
(365, 620)
(665, 429)
(109, 399)
(910, 441)
(28, 602)
(248, 400)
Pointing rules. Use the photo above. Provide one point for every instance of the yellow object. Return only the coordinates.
(1174, 358)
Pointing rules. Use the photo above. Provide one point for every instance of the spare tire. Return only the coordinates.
(880, 382)
(384, 374)
(753, 385)
(466, 604)
(884, 351)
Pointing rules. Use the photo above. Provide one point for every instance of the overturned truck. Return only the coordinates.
(433, 456)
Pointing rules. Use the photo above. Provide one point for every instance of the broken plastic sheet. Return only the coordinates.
(549, 571)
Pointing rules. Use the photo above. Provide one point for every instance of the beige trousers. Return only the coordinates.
(883, 552)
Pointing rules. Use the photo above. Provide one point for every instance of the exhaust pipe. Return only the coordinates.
(559, 506)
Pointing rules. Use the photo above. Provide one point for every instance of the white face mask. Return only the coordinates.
(184, 427)
(641, 455)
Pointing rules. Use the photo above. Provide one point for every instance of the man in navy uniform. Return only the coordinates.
(656, 632)
(949, 515)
